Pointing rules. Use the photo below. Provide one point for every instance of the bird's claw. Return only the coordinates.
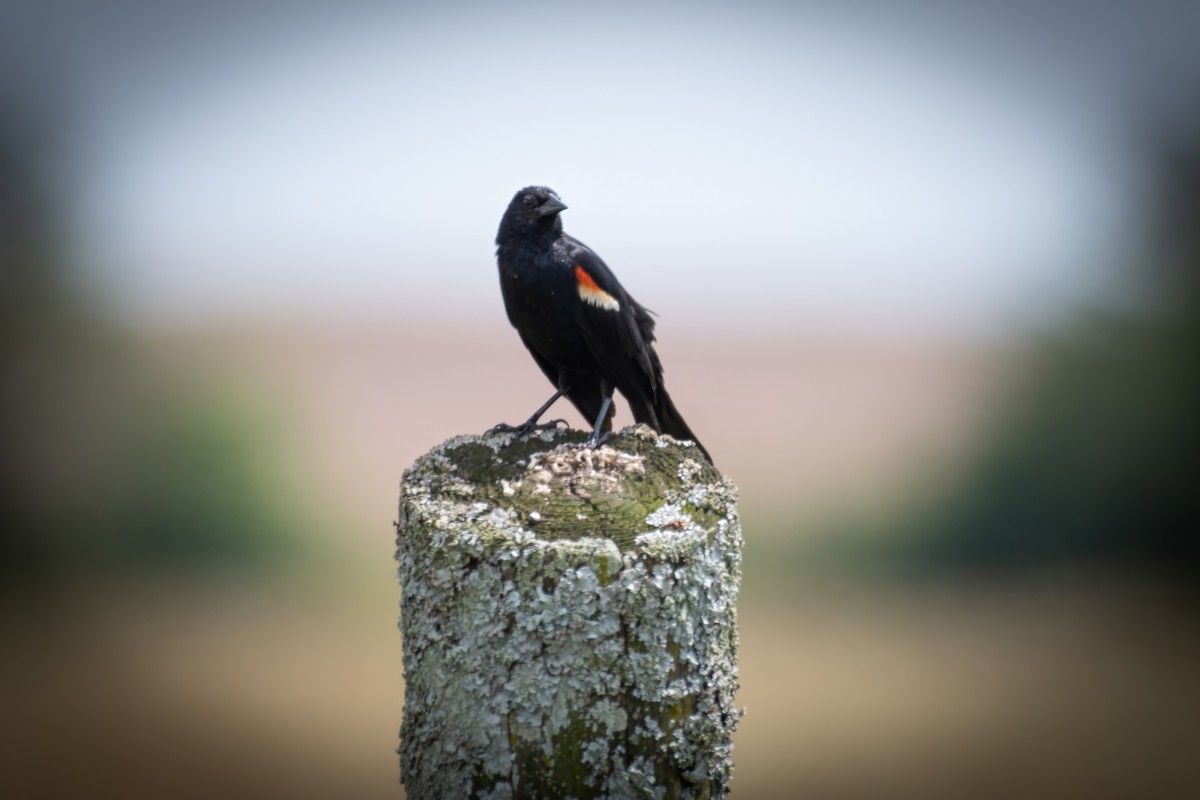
(527, 427)
(595, 441)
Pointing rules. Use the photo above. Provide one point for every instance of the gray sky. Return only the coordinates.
(914, 164)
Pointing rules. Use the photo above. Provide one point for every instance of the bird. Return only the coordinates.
(584, 330)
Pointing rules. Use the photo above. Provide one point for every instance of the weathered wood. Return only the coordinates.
(569, 619)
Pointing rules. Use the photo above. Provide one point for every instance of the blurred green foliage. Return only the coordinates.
(106, 462)
(208, 494)
(1098, 461)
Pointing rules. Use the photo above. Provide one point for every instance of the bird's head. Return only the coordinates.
(533, 209)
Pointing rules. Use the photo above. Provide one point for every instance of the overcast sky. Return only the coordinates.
(764, 164)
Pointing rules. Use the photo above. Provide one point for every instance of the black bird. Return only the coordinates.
(581, 326)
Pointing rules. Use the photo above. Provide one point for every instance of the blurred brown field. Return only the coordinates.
(803, 423)
(250, 682)
(225, 689)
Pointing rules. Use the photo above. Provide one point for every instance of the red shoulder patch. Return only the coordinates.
(585, 280)
(590, 291)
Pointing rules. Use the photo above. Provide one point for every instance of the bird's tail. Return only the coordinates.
(671, 421)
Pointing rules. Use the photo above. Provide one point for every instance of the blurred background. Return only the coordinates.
(928, 282)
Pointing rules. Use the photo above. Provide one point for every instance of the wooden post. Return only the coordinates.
(569, 619)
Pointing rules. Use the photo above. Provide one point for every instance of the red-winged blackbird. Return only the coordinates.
(581, 326)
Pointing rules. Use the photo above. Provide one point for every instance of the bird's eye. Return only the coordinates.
(529, 199)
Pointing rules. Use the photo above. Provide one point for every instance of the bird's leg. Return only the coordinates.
(596, 439)
(530, 425)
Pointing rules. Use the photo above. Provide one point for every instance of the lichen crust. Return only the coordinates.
(569, 619)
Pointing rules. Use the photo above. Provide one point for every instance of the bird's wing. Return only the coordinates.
(617, 328)
(547, 367)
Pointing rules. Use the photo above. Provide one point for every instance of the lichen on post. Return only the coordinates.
(569, 619)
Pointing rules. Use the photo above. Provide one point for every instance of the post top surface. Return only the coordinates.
(549, 485)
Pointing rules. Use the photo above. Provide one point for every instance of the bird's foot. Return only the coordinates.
(595, 441)
(527, 427)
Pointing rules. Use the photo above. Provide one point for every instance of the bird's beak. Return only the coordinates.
(551, 206)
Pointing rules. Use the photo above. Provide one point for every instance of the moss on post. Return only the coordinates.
(569, 619)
